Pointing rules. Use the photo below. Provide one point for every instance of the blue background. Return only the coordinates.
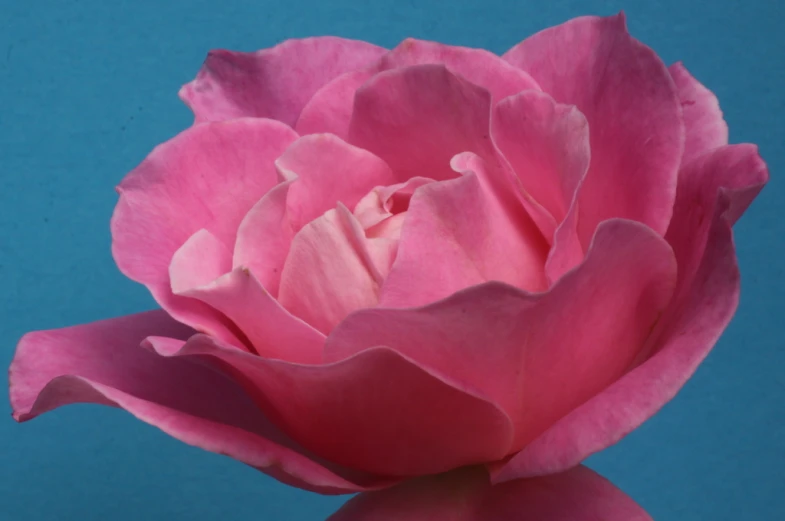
(88, 87)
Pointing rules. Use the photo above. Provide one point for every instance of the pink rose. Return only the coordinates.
(376, 265)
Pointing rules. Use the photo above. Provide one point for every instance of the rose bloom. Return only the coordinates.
(431, 274)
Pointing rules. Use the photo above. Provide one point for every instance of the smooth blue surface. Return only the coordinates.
(88, 87)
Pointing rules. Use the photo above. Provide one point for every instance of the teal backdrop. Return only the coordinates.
(88, 87)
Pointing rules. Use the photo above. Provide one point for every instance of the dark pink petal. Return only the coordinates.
(537, 356)
(272, 83)
(705, 128)
(704, 302)
(271, 330)
(467, 495)
(634, 115)
(329, 271)
(207, 177)
(328, 171)
(368, 412)
(103, 363)
(457, 235)
(330, 109)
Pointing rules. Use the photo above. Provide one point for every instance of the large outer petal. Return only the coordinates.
(330, 109)
(377, 411)
(537, 356)
(705, 129)
(466, 495)
(272, 83)
(103, 363)
(207, 177)
(634, 115)
(714, 190)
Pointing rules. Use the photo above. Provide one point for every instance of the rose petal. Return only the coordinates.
(272, 83)
(547, 145)
(201, 260)
(466, 495)
(704, 301)
(630, 102)
(321, 171)
(264, 238)
(271, 330)
(103, 363)
(705, 128)
(384, 202)
(474, 240)
(417, 118)
(329, 271)
(207, 177)
(329, 171)
(736, 169)
(368, 412)
(330, 109)
(481, 67)
(513, 348)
